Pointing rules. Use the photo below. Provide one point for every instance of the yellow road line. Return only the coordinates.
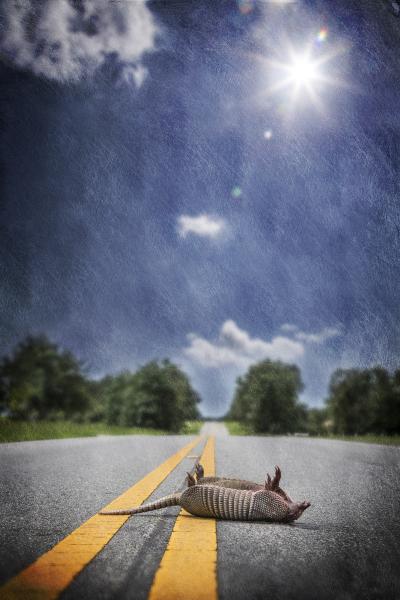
(50, 574)
(188, 568)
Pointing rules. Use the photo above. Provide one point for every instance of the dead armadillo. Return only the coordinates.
(239, 484)
(223, 502)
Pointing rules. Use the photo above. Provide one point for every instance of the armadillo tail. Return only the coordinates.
(172, 500)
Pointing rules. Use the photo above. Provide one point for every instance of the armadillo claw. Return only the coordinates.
(199, 471)
(190, 480)
(277, 478)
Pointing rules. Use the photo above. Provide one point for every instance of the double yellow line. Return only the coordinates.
(187, 569)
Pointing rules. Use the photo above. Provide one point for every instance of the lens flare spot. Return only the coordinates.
(236, 192)
(246, 6)
(268, 134)
(322, 35)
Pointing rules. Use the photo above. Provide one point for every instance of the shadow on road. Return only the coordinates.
(308, 526)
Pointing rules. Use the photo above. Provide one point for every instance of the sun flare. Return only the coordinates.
(303, 71)
(305, 74)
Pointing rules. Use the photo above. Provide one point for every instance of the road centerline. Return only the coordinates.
(52, 572)
(188, 566)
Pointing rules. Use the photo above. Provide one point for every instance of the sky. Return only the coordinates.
(213, 182)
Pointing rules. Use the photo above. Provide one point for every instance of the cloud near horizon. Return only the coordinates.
(62, 41)
(317, 338)
(236, 348)
(203, 225)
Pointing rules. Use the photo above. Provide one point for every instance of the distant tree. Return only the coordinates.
(317, 421)
(364, 401)
(387, 390)
(158, 395)
(97, 409)
(266, 398)
(187, 397)
(351, 401)
(40, 381)
(165, 398)
(391, 411)
(302, 414)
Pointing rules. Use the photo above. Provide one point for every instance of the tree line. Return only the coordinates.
(360, 401)
(40, 381)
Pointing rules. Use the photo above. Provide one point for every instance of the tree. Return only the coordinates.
(40, 381)
(158, 395)
(391, 407)
(266, 398)
(350, 401)
(165, 398)
(388, 402)
(317, 421)
(365, 401)
(113, 394)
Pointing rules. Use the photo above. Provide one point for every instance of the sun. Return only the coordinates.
(303, 77)
(303, 71)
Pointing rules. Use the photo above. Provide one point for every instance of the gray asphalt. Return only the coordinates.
(345, 546)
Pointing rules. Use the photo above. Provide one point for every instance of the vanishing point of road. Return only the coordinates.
(347, 545)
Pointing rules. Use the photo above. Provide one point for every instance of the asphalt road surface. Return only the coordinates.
(347, 545)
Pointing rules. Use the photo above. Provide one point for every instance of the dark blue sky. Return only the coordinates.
(160, 197)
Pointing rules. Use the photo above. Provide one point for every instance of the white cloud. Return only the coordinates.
(63, 41)
(135, 73)
(319, 337)
(235, 347)
(289, 328)
(203, 225)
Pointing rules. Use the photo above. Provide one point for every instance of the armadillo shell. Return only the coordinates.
(233, 504)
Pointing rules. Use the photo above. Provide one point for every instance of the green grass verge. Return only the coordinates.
(236, 428)
(19, 431)
(368, 438)
(192, 427)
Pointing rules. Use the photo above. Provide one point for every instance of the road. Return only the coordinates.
(345, 546)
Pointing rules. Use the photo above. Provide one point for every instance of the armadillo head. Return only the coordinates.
(296, 509)
(270, 506)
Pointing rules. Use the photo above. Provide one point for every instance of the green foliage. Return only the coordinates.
(266, 398)
(191, 427)
(368, 438)
(237, 428)
(18, 431)
(158, 395)
(39, 381)
(361, 402)
(317, 421)
(364, 401)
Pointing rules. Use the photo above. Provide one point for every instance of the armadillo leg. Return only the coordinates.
(190, 480)
(277, 478)
(199, 471)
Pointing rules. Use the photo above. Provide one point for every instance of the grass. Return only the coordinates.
(236, 428)
(368, 438)
(19, 431)
(192, 427)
